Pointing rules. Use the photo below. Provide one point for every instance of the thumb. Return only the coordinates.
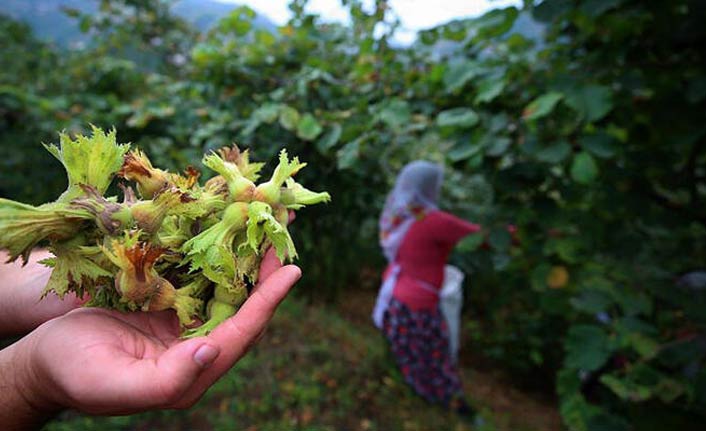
(144, 384)
(180, 366)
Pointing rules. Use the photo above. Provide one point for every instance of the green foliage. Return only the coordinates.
(588, 347)
(589, 136)
(583, 168)
(542, 106)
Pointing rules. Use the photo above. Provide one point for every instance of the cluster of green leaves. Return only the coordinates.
(579, 121)
(121, 253)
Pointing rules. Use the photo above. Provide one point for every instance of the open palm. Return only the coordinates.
(105, 362)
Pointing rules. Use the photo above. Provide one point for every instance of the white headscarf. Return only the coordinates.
(416, 192)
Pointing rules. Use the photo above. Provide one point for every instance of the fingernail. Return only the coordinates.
(205, 355)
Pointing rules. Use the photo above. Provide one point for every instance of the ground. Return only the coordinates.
(327, 368)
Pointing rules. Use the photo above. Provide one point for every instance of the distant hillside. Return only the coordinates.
(205, 13)
(49, 23)
(525, 25)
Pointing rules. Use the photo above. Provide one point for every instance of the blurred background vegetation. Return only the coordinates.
(582, 122)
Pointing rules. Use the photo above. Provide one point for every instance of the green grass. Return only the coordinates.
(314, 371)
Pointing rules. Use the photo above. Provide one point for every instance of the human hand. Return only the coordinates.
(104, 362)
(21, 287)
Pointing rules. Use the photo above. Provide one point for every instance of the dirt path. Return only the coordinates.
(511, 408)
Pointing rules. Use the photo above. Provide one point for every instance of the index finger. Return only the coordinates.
(235, 336)
(270, 263)
(237, 333)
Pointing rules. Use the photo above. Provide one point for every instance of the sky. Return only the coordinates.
(414, 14)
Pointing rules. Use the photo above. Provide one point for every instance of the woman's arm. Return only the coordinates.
(451, 228)
(21, 287)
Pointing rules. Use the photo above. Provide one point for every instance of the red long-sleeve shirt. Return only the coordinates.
(423, 254)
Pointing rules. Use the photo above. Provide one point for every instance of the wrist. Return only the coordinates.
(25, 402)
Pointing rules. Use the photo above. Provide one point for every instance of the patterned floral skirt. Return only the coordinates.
(419, 342)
